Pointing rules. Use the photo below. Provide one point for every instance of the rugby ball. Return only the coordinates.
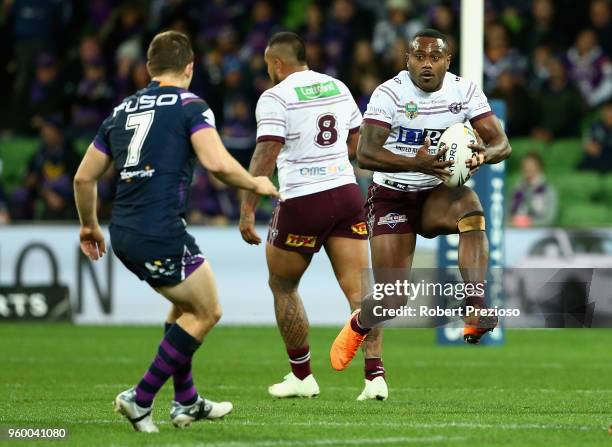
(457, 137)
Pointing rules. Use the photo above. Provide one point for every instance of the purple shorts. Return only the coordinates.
(304, 223)
(394, 212)
(158, 261)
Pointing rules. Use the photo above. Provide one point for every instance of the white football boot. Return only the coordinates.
(182, 416)
(139, 417)
(374, 389)
(291, 386)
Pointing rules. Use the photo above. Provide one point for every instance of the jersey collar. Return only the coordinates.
(296, 74)
(155, 84)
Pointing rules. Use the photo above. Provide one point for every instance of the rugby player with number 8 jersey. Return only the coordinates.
(403, 122)
(308, 126)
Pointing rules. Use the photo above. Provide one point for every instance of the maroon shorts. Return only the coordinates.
(390, 211)
(305, 223)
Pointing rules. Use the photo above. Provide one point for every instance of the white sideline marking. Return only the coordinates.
(495, 389)
(118, 421)
(426, 389)
(351, 441)
(351, 388)
(516, 426)
(113, 385)
(482, 364)
(57, 361)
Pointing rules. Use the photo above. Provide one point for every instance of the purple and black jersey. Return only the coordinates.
(148, 137)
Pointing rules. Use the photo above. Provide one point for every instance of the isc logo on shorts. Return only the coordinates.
(360, 229)
(295, 240)
(392, 219)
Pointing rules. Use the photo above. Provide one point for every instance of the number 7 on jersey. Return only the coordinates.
(141, 123)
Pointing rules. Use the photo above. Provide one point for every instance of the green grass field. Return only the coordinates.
(543, 388)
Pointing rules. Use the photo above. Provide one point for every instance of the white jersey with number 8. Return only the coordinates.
(311, 114)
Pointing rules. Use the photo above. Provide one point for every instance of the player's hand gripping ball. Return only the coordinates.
(457, 138)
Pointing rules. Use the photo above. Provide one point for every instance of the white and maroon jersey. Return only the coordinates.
(312, 114)
(412, 114)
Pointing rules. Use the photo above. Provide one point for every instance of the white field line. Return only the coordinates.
(430, 389)
(364, 423)
(56, 361)
(412, 363)
(324, 442)
(427, 425)
(420, 390)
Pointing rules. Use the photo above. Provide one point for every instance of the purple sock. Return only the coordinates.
(175, 351)
(185, 391)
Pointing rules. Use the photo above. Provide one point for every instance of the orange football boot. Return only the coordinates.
(346, 345)
(476, 326)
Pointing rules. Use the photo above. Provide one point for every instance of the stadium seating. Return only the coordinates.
(81, 145)
(580, 214)
(584, 196)
(583, 187)
(15, 154)
(520, 148)
(607, 189)
(563, 156)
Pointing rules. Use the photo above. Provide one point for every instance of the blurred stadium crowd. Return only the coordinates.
(66, 63)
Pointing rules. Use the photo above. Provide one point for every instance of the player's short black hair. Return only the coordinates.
(430, 32)
(293, 41)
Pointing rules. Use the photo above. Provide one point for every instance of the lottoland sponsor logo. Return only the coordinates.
(317, 91)
(319, 171)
